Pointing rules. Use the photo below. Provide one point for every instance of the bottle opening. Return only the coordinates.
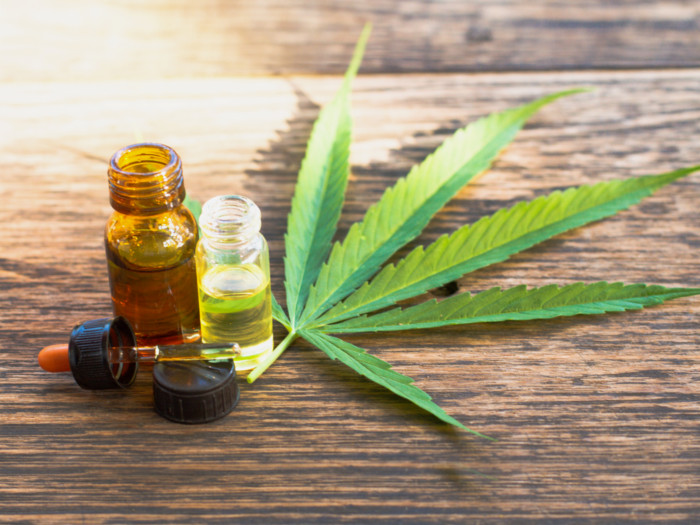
(145, 178)
(144, 158)
(230, 219)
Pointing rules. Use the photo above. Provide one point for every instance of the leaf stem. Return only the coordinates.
(272, 357)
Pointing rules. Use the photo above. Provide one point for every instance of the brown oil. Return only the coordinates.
(158, 302)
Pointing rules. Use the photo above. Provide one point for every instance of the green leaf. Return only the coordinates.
(194, 206)
(405, 209)
(380, 372)
(516, 304)
(494, 239)
(279, 315)
(319, 193)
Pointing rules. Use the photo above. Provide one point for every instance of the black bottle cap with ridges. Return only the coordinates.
(88, 351)
(195, 392)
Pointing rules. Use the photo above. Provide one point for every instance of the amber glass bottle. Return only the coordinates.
(150, 241)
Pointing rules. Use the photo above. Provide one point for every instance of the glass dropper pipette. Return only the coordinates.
(102, 353)
(56, 358)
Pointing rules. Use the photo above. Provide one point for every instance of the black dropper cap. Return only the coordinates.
(195, 392)
(88, 352)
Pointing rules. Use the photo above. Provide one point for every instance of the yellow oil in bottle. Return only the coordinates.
(234, 302)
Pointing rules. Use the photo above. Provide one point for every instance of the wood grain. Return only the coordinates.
(125, 40)
(597, 418)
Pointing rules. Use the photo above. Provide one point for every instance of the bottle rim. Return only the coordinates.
(173, 159)
(145, 191)
(230, 220)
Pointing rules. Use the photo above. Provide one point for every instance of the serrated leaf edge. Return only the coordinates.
(484, 307)
(380, 372)
(487, 241)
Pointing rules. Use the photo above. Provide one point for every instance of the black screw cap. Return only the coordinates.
(195, 392)
(88, 352)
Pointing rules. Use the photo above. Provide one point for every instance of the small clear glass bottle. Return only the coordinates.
(150, 241)
(233, 278)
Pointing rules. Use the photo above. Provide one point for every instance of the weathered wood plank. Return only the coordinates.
(597, 418)
(118, 40)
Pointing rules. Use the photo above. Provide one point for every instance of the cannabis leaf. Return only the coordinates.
(341, 295)
(320, 190)
(194, 206)
(378, 371)
(516, 304)
(405, 209)
(494, 239)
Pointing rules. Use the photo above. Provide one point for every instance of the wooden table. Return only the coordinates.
(598, 418)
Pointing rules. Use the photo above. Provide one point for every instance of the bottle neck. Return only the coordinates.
(145, 179)
(230, 222)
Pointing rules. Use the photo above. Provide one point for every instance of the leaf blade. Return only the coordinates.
(279, 315)
(319, 192)
(495, 238)
(380, 372)
(515, 304)
(194, 206)
(404, 209)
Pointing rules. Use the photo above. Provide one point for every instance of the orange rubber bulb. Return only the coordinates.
(55, 358)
